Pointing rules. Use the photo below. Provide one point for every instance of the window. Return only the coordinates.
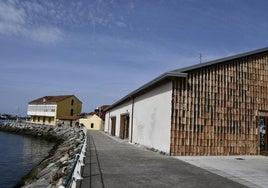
(92, 125)
(72, 102)
(72, 112)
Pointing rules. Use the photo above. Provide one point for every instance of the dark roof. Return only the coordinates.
(221, 61)
(50, 99)
(183, 72)
(103, 107)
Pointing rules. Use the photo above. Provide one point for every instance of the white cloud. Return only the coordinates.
(11, 29)
(31, 7)
(47, 34)
(10, 13)
(120, 24)
(43, 21)
(131, 5)
(15, 18)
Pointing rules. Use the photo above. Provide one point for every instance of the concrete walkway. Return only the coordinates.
(111, 162)
(251, 171)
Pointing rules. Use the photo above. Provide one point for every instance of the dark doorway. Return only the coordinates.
(124, 126)
(113, 120)
(263, 123)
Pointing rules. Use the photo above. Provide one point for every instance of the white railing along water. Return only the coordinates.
(75, 177)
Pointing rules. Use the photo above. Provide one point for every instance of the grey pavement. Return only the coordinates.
(251, 171)
(111, 162)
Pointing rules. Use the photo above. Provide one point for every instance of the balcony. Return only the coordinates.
(42, 110)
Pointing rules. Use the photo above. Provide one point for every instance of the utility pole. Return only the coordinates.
(200, 58)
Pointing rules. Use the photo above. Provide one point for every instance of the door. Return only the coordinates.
(263, 123)
(124, 127)
(113, 120)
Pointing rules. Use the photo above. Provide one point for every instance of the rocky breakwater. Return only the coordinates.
(55, 168)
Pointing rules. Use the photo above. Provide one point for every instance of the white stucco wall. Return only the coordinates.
(151, 118)
(107, 123)
(117, 112)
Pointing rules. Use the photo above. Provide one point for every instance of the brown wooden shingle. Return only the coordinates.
(215, 109)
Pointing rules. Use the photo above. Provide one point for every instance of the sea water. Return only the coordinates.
(18, 155)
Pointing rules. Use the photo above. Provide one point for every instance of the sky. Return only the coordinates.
(101, 50)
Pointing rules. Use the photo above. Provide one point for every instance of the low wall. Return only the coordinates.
(54, 169)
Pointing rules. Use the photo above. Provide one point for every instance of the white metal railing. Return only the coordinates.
(75, 176)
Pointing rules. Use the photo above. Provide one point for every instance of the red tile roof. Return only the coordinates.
(50, 99)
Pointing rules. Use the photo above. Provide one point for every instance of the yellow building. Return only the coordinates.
(47, 109)
(94, 122)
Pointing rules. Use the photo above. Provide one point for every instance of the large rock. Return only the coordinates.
(53, 170)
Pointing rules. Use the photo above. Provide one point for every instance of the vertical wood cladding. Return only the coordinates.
(215, 109)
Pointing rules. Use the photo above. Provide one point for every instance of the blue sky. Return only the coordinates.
(102, 50)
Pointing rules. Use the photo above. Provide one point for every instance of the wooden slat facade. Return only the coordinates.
(215, 109)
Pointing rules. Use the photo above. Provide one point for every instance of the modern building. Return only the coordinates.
(214, 108)
(47, 109)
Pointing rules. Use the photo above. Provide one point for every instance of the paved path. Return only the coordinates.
(112, 163)
(251, 171)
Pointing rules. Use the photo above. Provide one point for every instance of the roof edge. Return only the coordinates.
(222, 60)
(54, 102)
(148, 85)
(183, 73)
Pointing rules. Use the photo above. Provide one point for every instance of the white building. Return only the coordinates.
(213, 108)
(144, 116)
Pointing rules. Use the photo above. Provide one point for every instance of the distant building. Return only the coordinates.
(100, 111)
(47, 109)
(95, 120)
(214, 108)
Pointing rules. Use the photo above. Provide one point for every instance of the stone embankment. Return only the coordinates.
(55, 168)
